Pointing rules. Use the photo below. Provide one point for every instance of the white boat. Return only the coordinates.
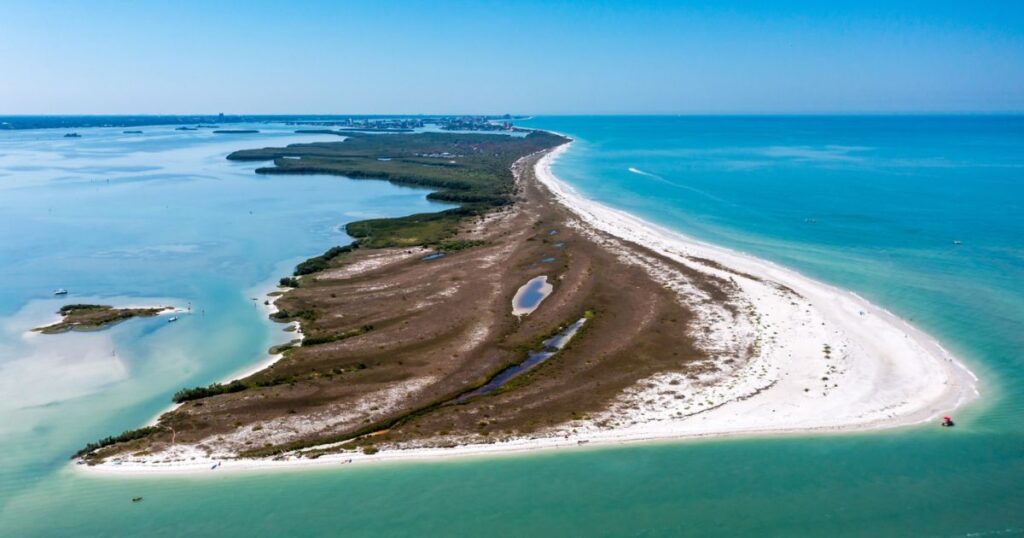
(172, 319)
(60, 291)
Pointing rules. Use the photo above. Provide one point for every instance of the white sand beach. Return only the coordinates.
(883, 372)
(816, 359)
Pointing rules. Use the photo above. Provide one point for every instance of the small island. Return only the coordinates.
(236, 131)
(319, 131)
(93, 317)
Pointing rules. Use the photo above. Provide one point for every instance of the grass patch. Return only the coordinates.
(313, 340)
(455, 245)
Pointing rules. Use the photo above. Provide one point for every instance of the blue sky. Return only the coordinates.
(545, 57)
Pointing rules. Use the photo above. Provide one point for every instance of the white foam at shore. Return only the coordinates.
(881, 373)
(888, 372)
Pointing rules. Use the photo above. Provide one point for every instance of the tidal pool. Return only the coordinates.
(530, 295)
(548, 349)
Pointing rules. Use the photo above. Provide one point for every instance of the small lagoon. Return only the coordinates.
(548, 349)
(529, 296)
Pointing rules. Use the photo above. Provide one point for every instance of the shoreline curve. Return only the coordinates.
(887, 347)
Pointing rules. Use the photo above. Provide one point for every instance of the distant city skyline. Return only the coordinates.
(787, 57)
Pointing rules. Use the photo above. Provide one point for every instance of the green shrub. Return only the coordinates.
(455, 245)
(129, 435)
(323, 261)
(196, 393)
(471, 170)
(284, 315)
(68, 308)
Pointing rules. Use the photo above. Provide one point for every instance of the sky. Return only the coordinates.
(520, 57)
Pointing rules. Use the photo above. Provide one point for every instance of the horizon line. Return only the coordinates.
(532, 114)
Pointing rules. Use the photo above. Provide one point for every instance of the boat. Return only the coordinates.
(136, 499)
(60, 291)
(172, 319)
(957, 242)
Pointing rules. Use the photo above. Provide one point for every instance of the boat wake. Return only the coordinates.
(643, 173)
(676, 185)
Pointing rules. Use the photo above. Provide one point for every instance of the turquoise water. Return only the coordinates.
(869, 203)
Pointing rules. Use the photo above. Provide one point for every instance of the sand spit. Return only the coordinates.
(819, 359)
(827, 358)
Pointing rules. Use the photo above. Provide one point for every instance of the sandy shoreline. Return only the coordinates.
(261, 291)
(900, 375)
(878, 370)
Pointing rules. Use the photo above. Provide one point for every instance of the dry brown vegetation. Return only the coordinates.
(390, 338)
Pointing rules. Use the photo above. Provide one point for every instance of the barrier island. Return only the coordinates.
(527, 317)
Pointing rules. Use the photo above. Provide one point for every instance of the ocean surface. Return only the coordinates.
(873, 204)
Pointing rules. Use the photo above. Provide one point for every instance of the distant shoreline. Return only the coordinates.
(72, 121)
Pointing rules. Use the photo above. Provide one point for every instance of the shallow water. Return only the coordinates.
(548, 349)
(872, 204)
(529, 296)
(160, 218)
